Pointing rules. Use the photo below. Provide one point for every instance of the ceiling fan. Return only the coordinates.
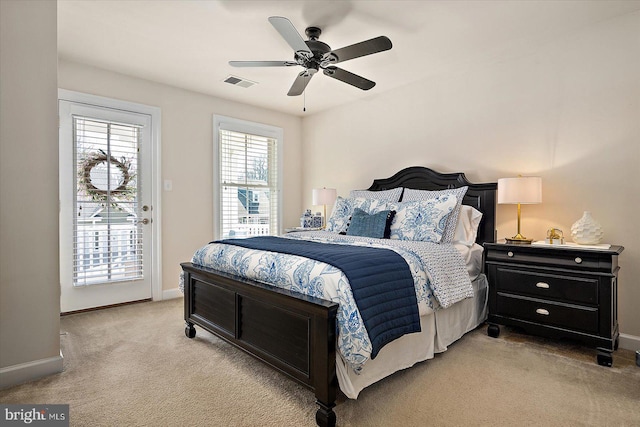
(314, 55)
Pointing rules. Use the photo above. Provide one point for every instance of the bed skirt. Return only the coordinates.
(439, 330)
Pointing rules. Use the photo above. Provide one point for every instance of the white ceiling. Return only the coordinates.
(188, 43)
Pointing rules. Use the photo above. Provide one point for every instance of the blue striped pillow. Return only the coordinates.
(369, 225)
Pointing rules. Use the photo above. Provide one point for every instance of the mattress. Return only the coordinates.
(439, 330)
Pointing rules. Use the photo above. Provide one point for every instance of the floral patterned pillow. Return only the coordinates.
(340, 216)
(422, 220)
(450, 228)
(368, 205)
(343, 209)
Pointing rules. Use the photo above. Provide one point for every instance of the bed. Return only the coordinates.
(298, 334)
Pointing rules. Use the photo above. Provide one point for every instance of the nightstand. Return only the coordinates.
(557, 292)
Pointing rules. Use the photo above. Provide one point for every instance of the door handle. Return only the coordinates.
(145, 221)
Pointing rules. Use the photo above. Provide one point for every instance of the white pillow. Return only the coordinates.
(392, 195)
(421, 220)
(410, 195)
(466, 230)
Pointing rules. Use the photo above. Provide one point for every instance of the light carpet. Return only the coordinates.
(133, 366)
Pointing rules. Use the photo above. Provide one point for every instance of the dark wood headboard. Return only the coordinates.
(480, 196)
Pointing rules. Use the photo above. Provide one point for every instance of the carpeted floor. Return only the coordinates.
(133, 366)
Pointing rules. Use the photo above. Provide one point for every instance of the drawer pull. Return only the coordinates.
(510, 254)
(542, 311)
(578, 260)
(542, 285)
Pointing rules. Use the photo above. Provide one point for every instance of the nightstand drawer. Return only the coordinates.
(544, 312)
(574, 260)
(561, 287)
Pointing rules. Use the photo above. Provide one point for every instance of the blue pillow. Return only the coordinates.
(370, 225)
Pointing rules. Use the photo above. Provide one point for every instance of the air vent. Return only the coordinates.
(239, 81)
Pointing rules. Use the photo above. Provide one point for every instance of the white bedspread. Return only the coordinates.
(439, 273)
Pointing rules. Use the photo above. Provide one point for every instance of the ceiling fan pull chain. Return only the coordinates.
(304, 101)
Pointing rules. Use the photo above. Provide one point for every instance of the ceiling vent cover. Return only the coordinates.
(239, 81)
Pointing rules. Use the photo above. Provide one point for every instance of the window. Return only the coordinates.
(106, 232)
(247, 178)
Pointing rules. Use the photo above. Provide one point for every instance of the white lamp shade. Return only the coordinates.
(523, 189)
(324, 196)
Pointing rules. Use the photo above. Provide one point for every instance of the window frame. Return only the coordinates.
(253, 128)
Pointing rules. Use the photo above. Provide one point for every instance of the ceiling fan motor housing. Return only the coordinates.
(321, 51)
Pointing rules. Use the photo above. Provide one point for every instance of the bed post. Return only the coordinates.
(189, 329)
(324, 367)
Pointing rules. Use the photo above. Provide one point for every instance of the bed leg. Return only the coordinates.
(325, 417)
(189, 330)
(604, 357)
(493, 330)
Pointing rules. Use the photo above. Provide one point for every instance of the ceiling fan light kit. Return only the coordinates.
(315, 55)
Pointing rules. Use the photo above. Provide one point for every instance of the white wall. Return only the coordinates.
(29, 273)
(187, 154)
(568, 111)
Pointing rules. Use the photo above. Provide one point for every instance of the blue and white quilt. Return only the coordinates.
(438, 270)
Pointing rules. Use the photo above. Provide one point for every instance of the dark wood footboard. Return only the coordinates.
(291, 332)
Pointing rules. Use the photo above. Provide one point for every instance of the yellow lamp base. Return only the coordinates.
(519, 238)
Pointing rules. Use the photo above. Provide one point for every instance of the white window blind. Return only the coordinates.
(248, 184)
(107, 243)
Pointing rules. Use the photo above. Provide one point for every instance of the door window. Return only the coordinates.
(108, 241)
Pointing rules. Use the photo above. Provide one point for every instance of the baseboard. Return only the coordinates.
(25, 372)
(171, 293)
(629, 342)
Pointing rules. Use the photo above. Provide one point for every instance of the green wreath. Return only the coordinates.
(123, 192)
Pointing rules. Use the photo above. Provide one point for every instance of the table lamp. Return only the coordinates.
(324, 197)
(520, 190)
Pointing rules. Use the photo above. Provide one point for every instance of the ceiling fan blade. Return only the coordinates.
(348, 77)
(289, 33)
(301, 82)
(262, 63)
(378, 44)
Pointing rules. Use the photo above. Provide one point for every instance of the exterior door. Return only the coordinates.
(105, 206)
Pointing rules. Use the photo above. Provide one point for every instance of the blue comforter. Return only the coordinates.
(380, 279)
